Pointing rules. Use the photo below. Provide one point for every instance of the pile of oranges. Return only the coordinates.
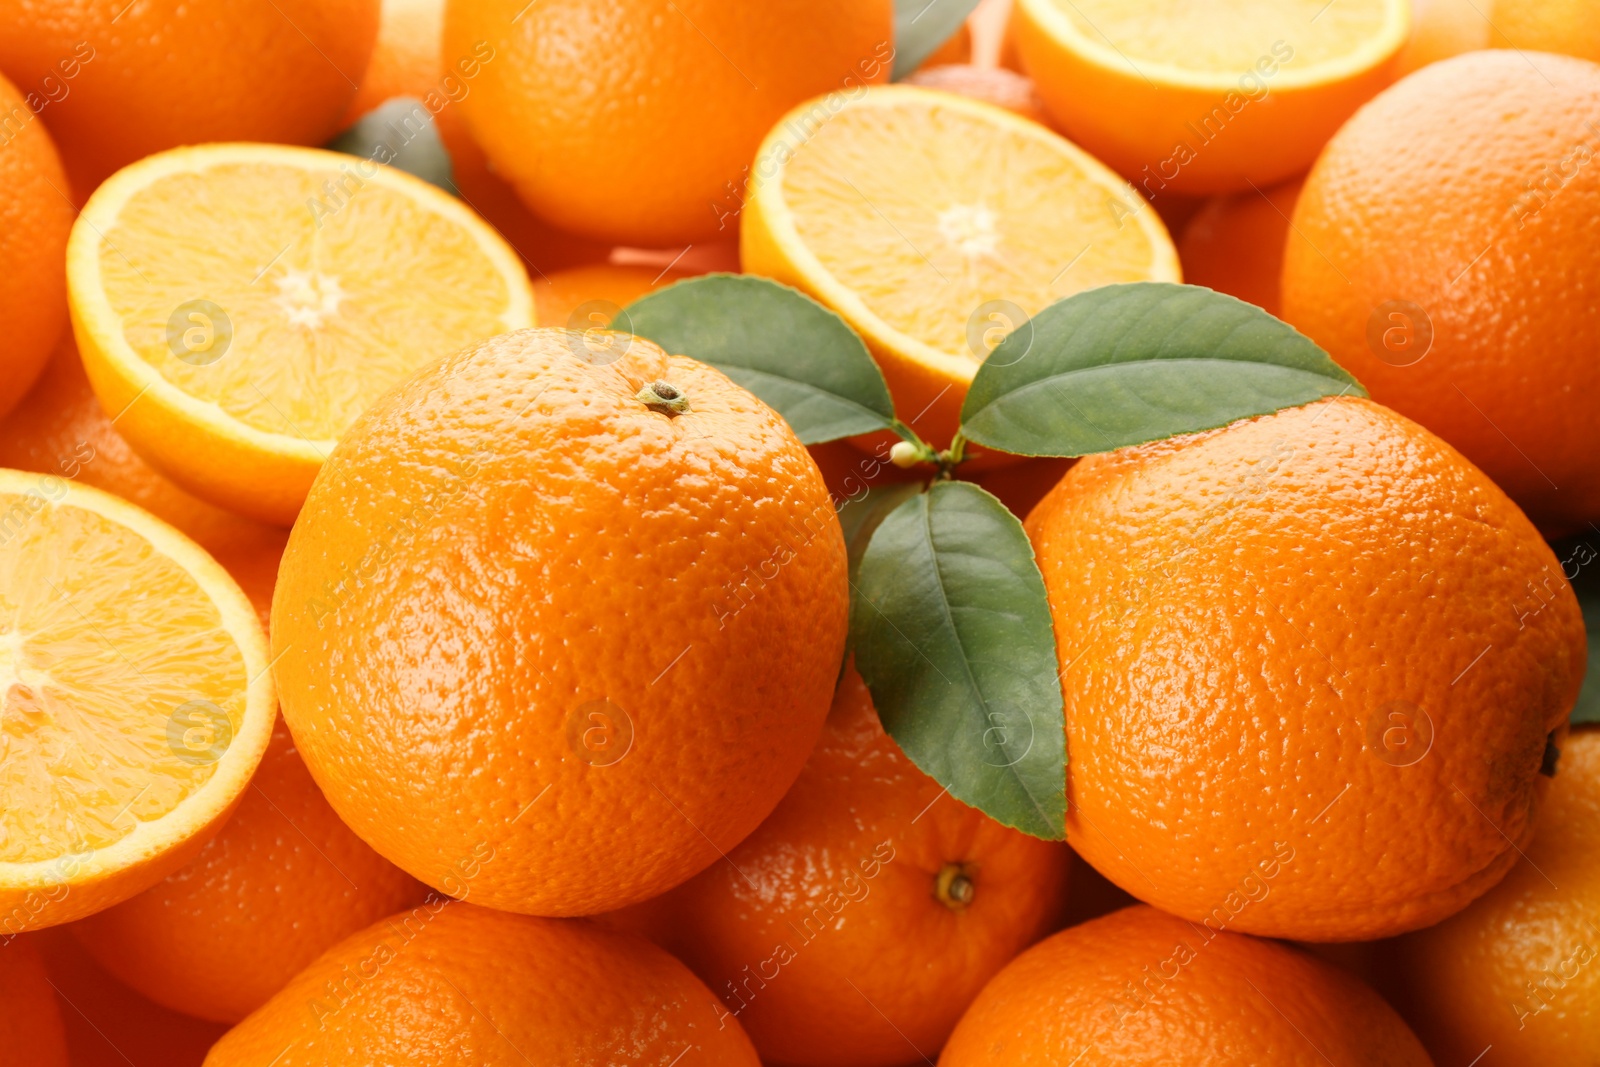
(526, 530)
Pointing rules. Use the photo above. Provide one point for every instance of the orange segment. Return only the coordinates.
(240, 305)
(134, 698)
(1191, 99)
(933, 223)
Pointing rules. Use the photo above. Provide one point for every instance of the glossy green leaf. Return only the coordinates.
(787, 349)
(952, 633)
(1125, 364)
(921, 26)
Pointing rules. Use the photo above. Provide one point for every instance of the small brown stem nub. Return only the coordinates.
(953, 887)
(663, 397)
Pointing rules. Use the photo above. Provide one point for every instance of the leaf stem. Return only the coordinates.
(952, 457)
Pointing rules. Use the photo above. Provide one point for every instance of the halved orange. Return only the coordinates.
(135, 699)
(238, 305)
(1190, 99)
(934, 224)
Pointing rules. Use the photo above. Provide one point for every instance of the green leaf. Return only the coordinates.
(952, 634)
(401, 133)
(921, 26)
(861, 516)
(1126, 364)
(787, 349)
(1579, 559)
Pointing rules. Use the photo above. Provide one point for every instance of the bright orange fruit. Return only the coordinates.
(867, 870)
(35, 217)
(563, 97)
(116, 81)
(1519, 970)
(1195, 99)
(1445, 28)
(238, 305)
(1138, 988)
(645, 600)
(1443, 246)
(281, 882)
(1313, 663)
(135, 693)
(589, 297)
(933, 224)
(450, 984)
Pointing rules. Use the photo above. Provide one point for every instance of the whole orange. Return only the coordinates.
(1313, 663)
(589, 297)
(1447, 259)
(867, 870)
(116, 81)
(35, 217)
(1138, 987)
(1234, 243)
(1519, 970)
(544, 639)
(283, 881)
(451, 985)
(579, 86)
(30, 1021)
(61, 429)
(408, 60)
(1444, 28)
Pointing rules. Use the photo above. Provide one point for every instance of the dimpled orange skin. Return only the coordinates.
(511, 539)
(1238, 616)
(35, 217)
(282, 881)
(1139, 987)
(575, 79)
(1424, 196)
(120, 82)
(452, 985)
(841, 880)
(1466, 981)
(61, 429)
(30, 1022)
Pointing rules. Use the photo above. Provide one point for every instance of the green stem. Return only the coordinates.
(952, 457)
